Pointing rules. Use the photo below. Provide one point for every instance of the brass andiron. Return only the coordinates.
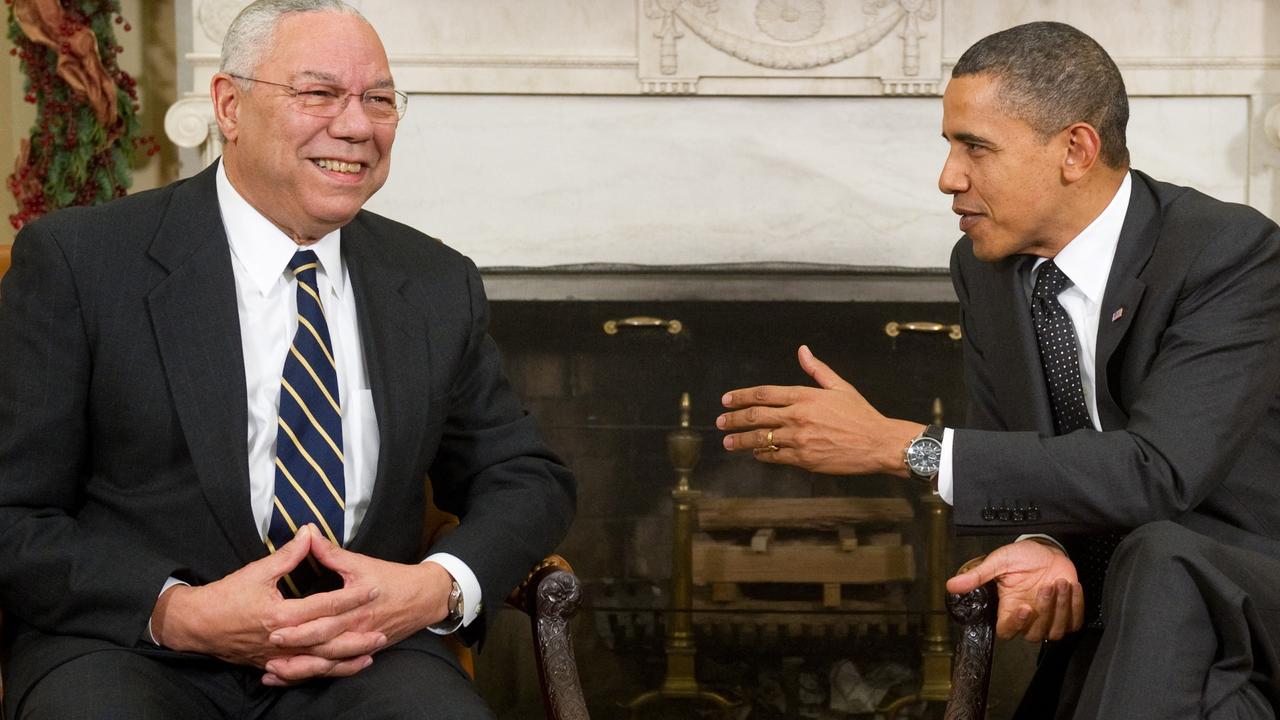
(935, 652)
(684, 446)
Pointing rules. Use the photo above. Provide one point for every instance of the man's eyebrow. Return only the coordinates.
(969, 139)
(332, 79)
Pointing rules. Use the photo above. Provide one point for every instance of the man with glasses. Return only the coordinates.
(188, 529)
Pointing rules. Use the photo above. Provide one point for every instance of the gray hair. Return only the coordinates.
(1052, 75)
(250, 33)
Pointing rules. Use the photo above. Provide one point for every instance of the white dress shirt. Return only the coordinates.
(267, 303)
(1086, 261)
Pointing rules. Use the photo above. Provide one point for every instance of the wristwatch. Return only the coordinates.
(924, 455)
(453, 620)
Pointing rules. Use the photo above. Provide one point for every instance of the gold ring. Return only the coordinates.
(768, 439)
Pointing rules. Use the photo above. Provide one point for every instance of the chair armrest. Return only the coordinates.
(551, 595)
(975, 611)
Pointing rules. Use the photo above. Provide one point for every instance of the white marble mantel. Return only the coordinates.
(689, 132)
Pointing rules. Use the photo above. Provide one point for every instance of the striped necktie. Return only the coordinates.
(310, 487)
(1060, 356)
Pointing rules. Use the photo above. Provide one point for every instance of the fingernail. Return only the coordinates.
(1024, 613)
(382, 640)
(720, 422)
(374, 593)
(728, 398)
(728, 443)
(1045, 592)
(277, 638)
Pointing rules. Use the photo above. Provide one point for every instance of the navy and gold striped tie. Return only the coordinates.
(309, 480)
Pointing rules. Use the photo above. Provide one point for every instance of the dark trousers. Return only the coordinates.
(130, 685)
(1192, 631)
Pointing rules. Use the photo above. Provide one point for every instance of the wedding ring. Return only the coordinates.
(768, 439)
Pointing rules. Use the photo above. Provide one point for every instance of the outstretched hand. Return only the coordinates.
(1040, 596)
(829, 429)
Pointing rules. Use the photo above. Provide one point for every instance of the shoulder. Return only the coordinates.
(1195, 225)
(411, 248)
(113, 226)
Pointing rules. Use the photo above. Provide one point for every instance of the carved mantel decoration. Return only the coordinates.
(791, 36)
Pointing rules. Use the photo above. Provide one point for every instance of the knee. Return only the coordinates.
(1157, 547)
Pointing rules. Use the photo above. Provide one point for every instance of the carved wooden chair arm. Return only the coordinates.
(551, 595)
(975, 611)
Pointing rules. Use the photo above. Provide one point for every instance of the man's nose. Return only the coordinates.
(954, 179)
(353, 122)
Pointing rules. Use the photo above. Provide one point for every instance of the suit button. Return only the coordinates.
(1033, 513)
(1019, 514)
(1002, 513)
(988, 513)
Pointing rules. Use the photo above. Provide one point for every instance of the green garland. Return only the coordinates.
(71, 158)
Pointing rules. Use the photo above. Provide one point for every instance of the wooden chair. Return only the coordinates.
(550, 595)
(975, 612)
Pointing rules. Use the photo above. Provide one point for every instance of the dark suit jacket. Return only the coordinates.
(1188, 384)
(123, 458)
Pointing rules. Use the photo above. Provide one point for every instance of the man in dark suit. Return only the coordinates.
(1122, 362)
(188, 532)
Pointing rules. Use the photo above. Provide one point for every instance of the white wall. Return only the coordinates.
(549, 133)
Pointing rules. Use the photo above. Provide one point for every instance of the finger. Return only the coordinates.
(980, 574)
(294, 669)
(324, 629)
(1062, 610)
(820, 371)
(1077, 607)
(286, 557)
(753, 440)
(1009, 624)
(769, 395)
(781, 456)
(345, 668)
(344, 645)
(1042, 616)
(333, 556)
(294, 612)
(752, 417)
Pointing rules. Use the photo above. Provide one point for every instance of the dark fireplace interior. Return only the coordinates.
(607, 402)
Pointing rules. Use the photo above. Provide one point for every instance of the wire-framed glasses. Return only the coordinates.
(381, 105)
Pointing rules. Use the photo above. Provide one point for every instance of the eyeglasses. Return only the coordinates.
(381, 106)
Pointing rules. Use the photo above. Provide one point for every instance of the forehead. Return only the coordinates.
(327, 44)
(971, 105)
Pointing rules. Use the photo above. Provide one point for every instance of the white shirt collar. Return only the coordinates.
(263, 249)
(1086, 260)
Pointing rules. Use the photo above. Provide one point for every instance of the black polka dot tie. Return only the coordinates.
(1060, 358)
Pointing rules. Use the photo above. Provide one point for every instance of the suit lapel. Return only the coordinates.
(197, 328)
(395, 343)
(1124, 292)
(1025, 394)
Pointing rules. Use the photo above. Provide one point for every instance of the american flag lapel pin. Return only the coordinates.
(1119, 313)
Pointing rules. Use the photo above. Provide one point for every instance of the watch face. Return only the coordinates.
(924, 455)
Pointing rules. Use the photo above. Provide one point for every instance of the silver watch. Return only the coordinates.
(924, 455)
(453, 620)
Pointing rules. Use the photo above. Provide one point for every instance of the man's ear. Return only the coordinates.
(1083, 146)
(226, 96)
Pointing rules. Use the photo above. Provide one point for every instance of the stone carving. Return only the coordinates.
(790, 20)
(215, 17)
(190, 123)
(763, 54)
(911, 34)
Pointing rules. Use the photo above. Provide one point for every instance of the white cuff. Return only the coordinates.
(472, 603)
(167, 584)
(946, 488)
(1029, 536)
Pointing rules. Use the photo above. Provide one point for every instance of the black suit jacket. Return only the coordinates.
(1188, 384)
(123, 459)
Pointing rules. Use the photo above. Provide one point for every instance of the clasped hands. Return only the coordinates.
(832, 429)
(243, 618)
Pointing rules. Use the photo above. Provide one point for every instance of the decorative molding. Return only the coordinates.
(909, 86)
(190, 123)
(669, 86)
(603, 62)
(790, 20)
(215, 16)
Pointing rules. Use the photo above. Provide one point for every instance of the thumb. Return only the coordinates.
(974, 577)
(820, 372)
(330, 555)
(290, 555)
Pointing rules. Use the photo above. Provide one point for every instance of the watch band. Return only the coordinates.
(453, 619)
(935, 433)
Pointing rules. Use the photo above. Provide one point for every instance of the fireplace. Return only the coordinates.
(606, 389)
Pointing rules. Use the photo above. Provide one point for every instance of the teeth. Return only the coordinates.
(339, 166)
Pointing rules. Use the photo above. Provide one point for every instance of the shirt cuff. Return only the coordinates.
(472, 604)
(946, 487)
(167, 584)
(1041, 536)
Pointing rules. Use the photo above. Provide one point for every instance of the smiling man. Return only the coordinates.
(1122, 365)
(222, 402)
